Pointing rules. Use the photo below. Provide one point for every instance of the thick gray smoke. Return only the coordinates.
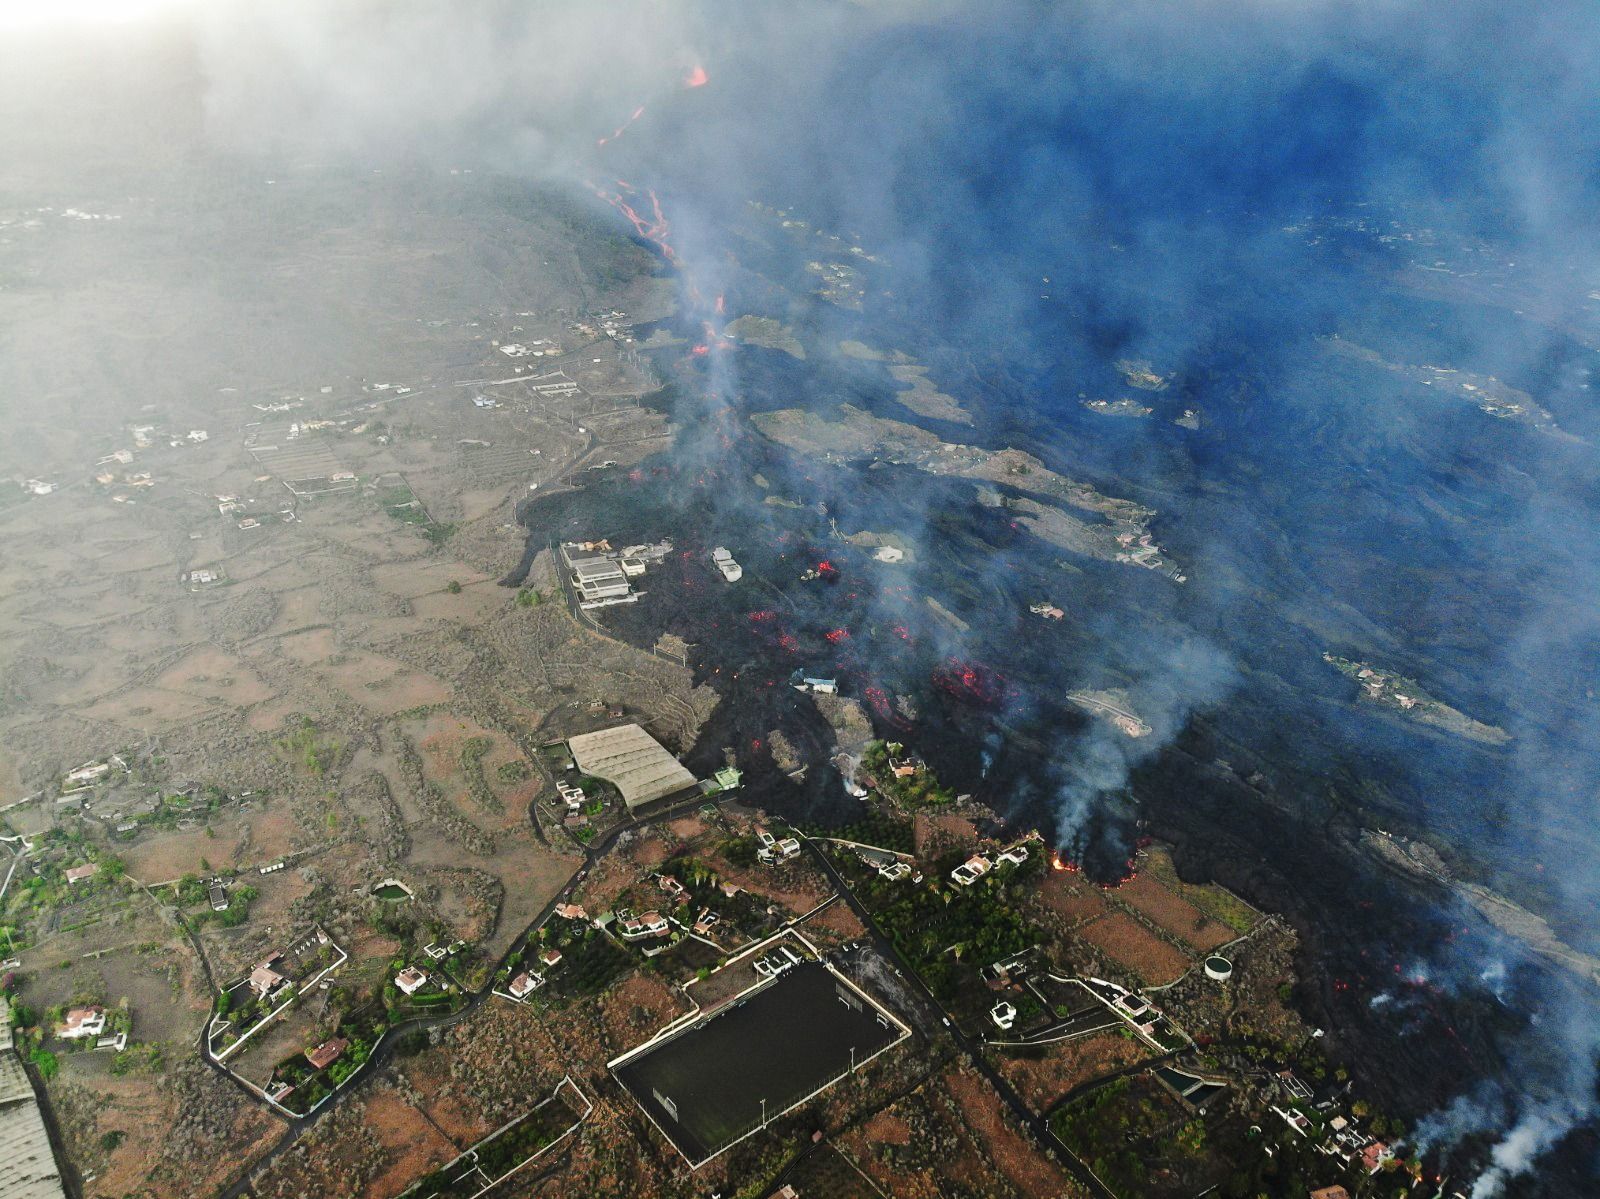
(1117, 149)
(1171, 168)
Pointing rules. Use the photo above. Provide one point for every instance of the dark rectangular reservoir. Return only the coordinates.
(793, 1037)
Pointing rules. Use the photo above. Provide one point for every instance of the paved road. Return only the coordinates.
(935, 1015)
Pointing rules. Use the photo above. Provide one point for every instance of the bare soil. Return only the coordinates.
(1042, 1080)
(412, 1146)
(1132, 945)
(1177, 916)
(1013, 1154)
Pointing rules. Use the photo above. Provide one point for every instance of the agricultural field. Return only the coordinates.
(1135, 948)
(1221, 905)
(829, 1172)
(925, 1146)
(946, 932)
(1043, 1074)
(507, 1150)
(1175, 916)
(1142, 1140)
(1147, 930)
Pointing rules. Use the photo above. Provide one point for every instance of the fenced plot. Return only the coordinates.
(715, 1083)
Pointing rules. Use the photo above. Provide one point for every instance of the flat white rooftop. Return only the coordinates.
(594, 570)
(631, 759)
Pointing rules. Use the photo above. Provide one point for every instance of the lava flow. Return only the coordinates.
(653, 229)
(878, 700)
(695, 78)
(971, 682)
(622, 128)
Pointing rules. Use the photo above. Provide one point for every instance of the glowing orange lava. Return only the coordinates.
(622, 128)
(697, 77)
(653, 228)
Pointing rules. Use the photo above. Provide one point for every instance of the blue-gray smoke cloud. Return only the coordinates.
(1215, 187)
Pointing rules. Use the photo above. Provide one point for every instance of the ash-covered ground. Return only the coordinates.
(1250, 753)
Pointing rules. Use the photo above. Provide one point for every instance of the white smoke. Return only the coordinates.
(1521, 1147)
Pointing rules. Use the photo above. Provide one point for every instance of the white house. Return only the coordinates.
(82, 1022)
(777, 851)
(525, 984)
(410, 980)
(91, 772)
(634, 928)
(971, 870)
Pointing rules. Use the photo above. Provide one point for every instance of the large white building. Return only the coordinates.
(600, 581)
(635, 762)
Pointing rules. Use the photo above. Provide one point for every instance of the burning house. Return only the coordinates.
(819, 684)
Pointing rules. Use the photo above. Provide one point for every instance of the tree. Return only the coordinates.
(453, 587)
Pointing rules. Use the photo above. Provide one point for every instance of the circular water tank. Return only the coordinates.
(1218, 969)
